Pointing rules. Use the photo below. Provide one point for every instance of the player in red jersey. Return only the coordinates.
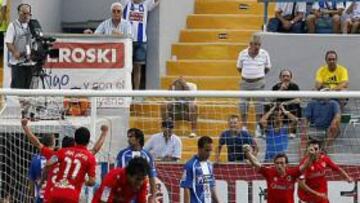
(313, 184)
(48, 152)
(75, 163)
(280, 179)
(121, 185)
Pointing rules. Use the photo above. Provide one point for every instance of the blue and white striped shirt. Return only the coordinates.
(199, 178)
(125, 155)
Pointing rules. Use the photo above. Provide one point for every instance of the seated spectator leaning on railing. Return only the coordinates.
(323, 120)
(183, 108)
(276, 130)
(289, 17)
(114, 25)
(325, 13)
(165, 146)
(290, 104)
(352, 20)
(234, 138)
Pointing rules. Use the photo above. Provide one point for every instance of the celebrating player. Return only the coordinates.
(198, 179)
(123, 184)
(48, 152)
(280, 179)
(135, 149)
(75, 163)
(313, 185)
(37, 163)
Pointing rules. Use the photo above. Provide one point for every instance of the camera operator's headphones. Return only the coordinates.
(23, 4)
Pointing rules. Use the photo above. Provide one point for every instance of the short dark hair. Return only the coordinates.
(23, 4)
(138, 166)
(234, 116)
(282, 155)
(67, 142)
(48, 140)
(203, 141)
(82, 136)
(314, 142)
(168, 123)
(330, 52)
(283, 70)
(139, 135)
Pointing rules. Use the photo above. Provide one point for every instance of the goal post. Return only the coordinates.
(146, 110)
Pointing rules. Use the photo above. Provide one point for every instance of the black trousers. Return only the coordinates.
(21, 77)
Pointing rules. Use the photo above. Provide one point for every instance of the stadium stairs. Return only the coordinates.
(206, 55)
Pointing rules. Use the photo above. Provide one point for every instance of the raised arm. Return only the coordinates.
(100, 142)
(310, 151)
(266, 116)
(288, 114)
(32, 138)
(253, 160)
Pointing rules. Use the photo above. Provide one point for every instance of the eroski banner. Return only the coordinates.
(88, 63)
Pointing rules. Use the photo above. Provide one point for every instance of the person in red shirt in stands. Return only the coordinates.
(313, 184)
(75, 162)
(280, 178)
(121, 185)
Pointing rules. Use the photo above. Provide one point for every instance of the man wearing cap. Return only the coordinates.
(253, 64)
(114, 25)
(165, 145)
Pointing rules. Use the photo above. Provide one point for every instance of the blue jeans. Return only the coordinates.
(275, 25)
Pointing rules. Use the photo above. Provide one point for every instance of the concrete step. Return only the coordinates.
(216, 35)
(230, 7)
(152, 125)
(212, 51)
(224, 21)
(219, 110)
(206, 82)
(201, 68)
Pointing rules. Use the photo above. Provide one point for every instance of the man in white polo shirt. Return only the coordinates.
(253, 64)
(165, 146)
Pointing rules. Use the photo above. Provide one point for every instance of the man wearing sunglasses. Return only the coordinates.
(114, 25)
(313, 184)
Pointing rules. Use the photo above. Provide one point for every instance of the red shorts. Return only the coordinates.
(64, 195)
(309, 198)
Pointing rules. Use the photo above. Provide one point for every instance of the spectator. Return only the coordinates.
(325, 12)
(280, 178)
(289, 17)
(17, 38)
(292, 105)
(198, 179)
(184, 107)
(165, 146)
(276, 130)
(234, 138)
(313, 184)
(114, 25)
(332, 75)
(352, 21)
(253, 64)
(323, 120)
(136, 11)
(3, 22)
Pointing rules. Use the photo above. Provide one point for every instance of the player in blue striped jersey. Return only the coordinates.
(198, 179)
(135, 149)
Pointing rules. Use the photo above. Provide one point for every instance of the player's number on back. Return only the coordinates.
(69, 164)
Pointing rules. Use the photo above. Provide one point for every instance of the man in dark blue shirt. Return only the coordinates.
(234, 138)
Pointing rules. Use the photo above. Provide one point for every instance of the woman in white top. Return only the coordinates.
(352, 22)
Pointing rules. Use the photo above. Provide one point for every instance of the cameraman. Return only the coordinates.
(17, 38)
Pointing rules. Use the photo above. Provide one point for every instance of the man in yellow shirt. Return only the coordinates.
(332, 75)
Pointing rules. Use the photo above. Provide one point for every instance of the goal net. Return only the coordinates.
(258, 118)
